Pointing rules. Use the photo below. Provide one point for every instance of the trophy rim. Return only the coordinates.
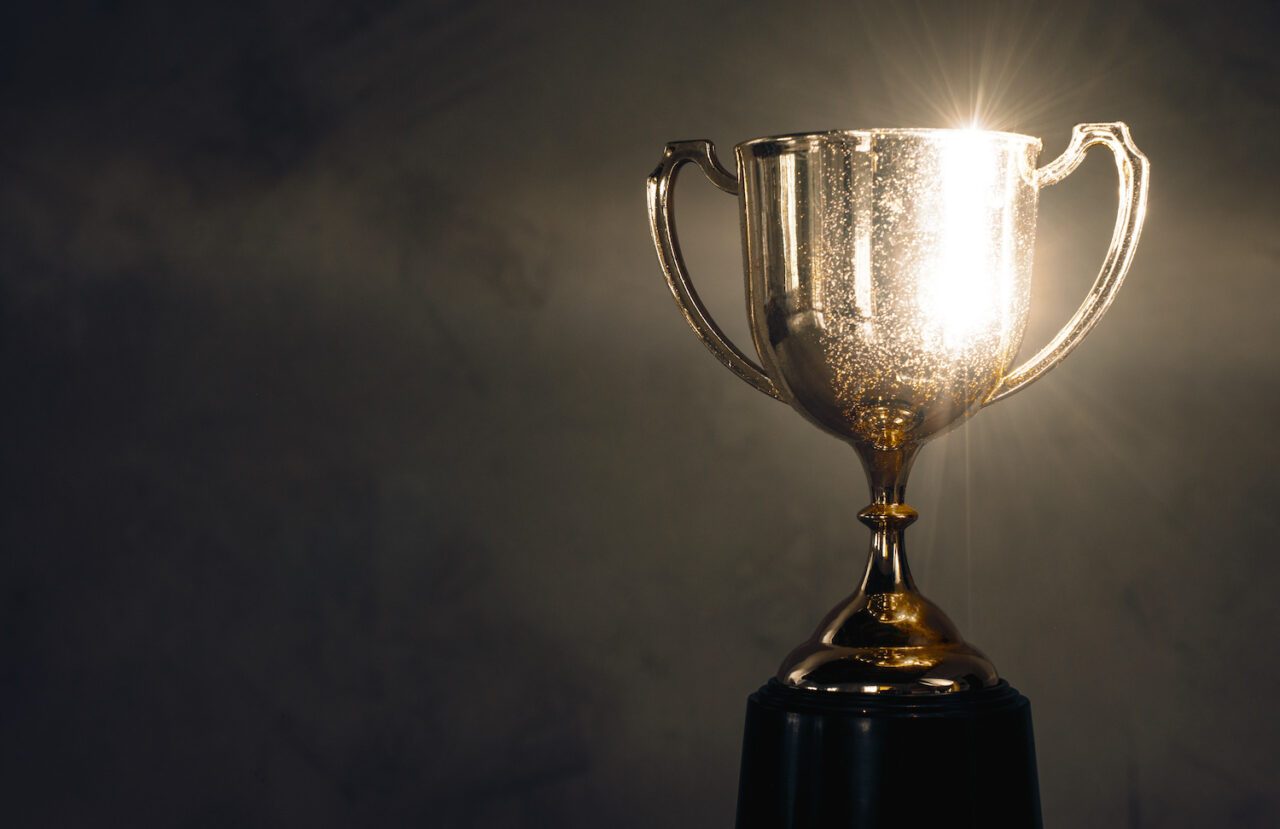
(861, 135)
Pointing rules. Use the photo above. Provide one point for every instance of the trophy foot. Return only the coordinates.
(887, 643)
(887, 638)
(903, 670)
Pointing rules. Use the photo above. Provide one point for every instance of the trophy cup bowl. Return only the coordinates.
(888, 277)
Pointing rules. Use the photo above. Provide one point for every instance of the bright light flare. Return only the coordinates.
(964, 289)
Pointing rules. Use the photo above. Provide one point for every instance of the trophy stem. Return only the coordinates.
(888, 517)
(887, 638)
(914, 709)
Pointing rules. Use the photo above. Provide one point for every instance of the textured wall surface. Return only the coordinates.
(359, 470)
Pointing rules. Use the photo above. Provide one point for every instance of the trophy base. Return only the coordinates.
(826, 759)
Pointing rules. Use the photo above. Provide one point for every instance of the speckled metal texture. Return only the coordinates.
(888, 272)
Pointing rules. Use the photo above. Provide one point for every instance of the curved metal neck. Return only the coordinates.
(887, 637)
(888, 517)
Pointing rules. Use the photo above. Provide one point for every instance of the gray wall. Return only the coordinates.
(360, 471)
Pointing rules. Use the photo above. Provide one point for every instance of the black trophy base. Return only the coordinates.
(839, 761)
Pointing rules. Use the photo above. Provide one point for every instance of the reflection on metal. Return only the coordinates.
(791, 217)
(888, 279)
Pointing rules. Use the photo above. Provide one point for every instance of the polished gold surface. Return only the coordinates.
(888, 278)
(889, 272)
(887, 637)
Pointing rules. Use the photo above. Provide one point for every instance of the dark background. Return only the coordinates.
(359, 470)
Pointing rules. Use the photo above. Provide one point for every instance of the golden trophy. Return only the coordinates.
(888, 276)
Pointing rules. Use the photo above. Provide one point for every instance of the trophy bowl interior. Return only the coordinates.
(888, 272)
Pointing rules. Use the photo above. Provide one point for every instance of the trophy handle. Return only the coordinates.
(662, 221)
(1132, 167)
